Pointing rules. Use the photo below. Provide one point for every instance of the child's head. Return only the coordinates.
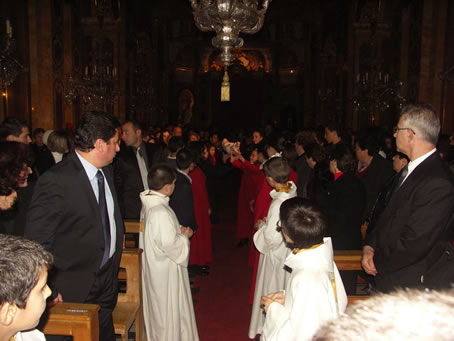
(278, 169)
(23, 283)
(161, 178)
(301, 223)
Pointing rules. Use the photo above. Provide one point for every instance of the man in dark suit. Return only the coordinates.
(131, 169)
(417, 218)
(75, 215)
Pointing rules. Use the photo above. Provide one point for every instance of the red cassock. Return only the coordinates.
(262, 204)
(201, 252)
(251, 181)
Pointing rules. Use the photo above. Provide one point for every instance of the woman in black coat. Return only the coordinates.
(343, 206)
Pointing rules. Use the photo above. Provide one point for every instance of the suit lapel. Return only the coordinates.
(92, 203)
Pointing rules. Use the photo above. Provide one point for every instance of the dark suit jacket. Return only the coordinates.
(64, 217)
(343, 207)
(128, 181)
(373, 179)
(414, 222)
(182, 202)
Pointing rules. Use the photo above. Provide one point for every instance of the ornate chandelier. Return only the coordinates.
(97, 87)
(10, 67)
(96, 83)
(228, 18)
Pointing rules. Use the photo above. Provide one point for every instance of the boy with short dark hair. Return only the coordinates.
(314, 292)
(271, 275)
(167, 301)
(23, 288)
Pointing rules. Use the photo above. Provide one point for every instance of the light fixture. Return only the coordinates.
(10, 67)
(228, 18)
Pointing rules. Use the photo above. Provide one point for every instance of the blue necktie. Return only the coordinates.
(104, 216)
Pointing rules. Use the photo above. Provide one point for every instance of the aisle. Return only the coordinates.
(222, 309)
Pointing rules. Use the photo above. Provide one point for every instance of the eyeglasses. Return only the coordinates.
(396, 129)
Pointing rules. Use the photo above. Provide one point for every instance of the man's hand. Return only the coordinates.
(367, 260)
(278, 297)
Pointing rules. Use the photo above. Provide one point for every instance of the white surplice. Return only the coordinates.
(271, 276)
(167, 301)
(32, 335)
(310, 299)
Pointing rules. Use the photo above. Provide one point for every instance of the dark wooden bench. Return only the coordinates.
(349, 260)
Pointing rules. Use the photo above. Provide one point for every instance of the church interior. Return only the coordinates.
(355, 62)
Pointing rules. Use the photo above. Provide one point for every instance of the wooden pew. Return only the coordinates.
(129, 304)
(75, 319)
(349, 260)
(132, 227)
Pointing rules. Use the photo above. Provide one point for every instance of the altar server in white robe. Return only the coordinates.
(314, 293)
(167, 301)
(271, 275)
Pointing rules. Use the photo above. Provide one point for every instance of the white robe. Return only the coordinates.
(309, 296)
(271, 276)
(32, 335)
(167, 301)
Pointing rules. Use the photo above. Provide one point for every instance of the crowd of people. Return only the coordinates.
(302, 195)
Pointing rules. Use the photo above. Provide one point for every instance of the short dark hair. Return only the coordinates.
(21, 262)
(37, 131)
(175, 143)
(302, 222)
(278, 169)
(346, 162)
(13, 156)
(184, 158)
(368, 142)
(258, 130)
(315, 151)
(337, 127)
(196, 148)
(136, 125)
(95, 125)
(402, 156)
(161, 175)
(11, 126)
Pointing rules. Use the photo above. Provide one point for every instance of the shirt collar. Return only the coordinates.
(90, 169)
(415, 163)
(186, 175)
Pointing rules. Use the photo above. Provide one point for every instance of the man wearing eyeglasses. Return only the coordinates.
(418, 219)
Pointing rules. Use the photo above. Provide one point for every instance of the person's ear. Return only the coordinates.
(99, 144)
(271, 181)
(7, 313)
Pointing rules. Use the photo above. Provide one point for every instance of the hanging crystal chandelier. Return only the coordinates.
(228, 18)
(10, 67)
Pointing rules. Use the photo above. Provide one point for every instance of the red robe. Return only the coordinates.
(250, 184)
(262, 204)
(201, 252)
